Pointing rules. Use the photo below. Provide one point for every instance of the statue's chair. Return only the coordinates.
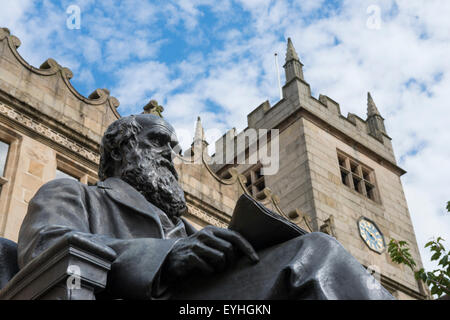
(74, 268)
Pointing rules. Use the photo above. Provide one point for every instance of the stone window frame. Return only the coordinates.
(7, 180)
(357, 176)
(255, 183)
(4, 180)
(75, 170)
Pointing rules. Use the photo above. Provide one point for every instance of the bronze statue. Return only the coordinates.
(136, 210)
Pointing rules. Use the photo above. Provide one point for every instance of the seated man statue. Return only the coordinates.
(135, 209)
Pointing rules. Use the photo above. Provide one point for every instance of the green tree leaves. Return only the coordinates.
(399, 252)
(437, 280)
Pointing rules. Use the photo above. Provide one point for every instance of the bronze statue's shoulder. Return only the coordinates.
(60, 184)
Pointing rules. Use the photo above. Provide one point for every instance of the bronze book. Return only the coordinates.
(261, 227)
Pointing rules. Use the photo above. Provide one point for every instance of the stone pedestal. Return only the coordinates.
(73, 269)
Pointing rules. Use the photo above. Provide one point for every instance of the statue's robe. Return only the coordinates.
(114, 214)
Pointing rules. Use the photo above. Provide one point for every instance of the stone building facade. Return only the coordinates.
(333, 170)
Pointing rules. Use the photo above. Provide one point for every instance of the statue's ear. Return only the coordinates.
(116, 154)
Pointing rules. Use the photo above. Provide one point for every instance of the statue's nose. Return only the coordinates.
(167, 152)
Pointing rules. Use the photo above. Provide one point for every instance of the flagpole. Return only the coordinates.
(278, 75)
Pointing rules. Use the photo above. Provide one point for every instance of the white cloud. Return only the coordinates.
(86, 77)
(308, 6)
(140, 82)
(185, 11)
(92, 50)
(13, 11)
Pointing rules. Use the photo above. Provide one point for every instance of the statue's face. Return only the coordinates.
(161, 141)
(148, 167)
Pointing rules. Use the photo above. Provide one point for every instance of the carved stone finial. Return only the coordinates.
(291, 54)
(374, 119)
(199, 135)
(371, 107)
(153, 108)
(293, 67)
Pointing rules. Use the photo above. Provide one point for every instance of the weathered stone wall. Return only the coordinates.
(48, 124)
(211, 199)
(293, 180)
(332, 197)
(31, 163)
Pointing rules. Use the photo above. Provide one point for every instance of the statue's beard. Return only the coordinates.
(157, 180)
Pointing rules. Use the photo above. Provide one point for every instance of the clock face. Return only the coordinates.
(371, 235)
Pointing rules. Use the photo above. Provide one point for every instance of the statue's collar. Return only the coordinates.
(116, 183)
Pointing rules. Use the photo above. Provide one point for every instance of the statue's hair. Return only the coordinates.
(121, 133)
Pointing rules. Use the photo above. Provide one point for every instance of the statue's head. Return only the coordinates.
(139, 149)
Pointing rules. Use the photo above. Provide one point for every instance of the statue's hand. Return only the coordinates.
(209, 250)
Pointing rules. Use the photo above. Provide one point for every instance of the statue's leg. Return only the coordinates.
(324, 269)
(8, 261)
(313, 266)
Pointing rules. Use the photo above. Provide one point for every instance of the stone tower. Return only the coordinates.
(341, 174)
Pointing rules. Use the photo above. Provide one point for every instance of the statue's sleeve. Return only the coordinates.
(58, 210)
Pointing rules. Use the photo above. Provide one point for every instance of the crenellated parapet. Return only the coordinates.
(365, 134)
(47, 95)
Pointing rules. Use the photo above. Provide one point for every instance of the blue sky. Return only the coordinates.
(216, 59)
